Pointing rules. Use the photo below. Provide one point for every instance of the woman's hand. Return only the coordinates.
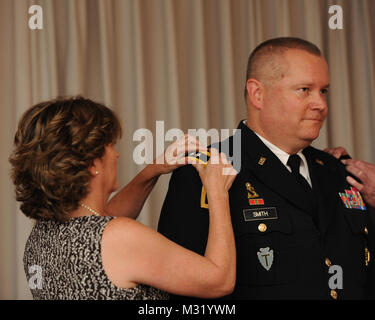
(174, 156)
(336, 152)
(218, 174)
(128, 202)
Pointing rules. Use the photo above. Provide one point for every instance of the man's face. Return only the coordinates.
(295, 105)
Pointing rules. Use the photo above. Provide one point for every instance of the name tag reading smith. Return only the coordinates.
(260, 214)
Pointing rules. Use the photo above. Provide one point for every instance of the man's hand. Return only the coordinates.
(366, 173)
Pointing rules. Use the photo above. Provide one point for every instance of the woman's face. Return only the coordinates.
(109, 163)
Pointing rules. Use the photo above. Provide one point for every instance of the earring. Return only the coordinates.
(96, 172)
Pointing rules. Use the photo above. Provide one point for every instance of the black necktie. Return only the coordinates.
(294, 162)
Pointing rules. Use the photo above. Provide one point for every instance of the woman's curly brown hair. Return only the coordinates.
(55, 144)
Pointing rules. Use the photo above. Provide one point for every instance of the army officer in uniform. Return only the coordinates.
(302, 232)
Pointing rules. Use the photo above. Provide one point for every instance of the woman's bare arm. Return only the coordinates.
(133, 253)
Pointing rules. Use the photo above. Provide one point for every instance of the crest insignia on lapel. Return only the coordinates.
(262, 160)
(251, 193)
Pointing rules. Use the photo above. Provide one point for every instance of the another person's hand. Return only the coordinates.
(366, 173)
(174, 155)
(337, 152)
(218, 174)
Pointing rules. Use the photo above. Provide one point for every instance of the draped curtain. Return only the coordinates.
(178, 61)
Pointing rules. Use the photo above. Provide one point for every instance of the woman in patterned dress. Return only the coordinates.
(82, 246)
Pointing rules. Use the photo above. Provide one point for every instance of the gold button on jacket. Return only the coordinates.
(328, 262)
(334, 294)
(262, 227)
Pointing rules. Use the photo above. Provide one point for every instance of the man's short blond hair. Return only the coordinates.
(265, 62)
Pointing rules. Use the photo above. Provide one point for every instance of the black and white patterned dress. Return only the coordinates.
(63, 261)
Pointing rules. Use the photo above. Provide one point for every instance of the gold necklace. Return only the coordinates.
(90, 209)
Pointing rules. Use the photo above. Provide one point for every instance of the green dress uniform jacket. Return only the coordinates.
(288, 247)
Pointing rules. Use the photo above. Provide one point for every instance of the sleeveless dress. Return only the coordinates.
(63, 261)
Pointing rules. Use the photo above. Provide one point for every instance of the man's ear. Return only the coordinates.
(255, 93)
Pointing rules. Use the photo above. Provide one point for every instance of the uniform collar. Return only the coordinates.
(259, 161)
(283, 156)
